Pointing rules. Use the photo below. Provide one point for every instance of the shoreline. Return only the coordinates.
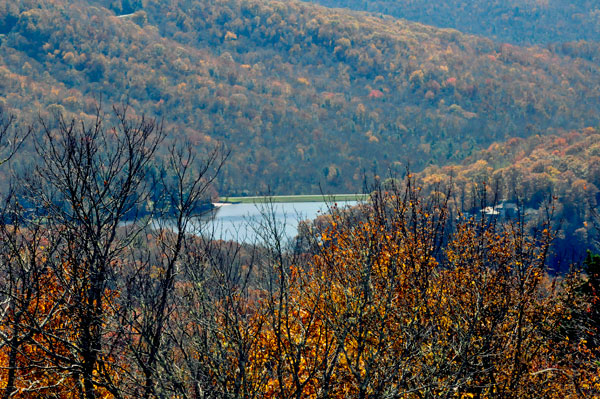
(292, 198)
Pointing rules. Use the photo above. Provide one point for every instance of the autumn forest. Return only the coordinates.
(470, 270)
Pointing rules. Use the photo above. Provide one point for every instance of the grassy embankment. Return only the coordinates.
(294, 198)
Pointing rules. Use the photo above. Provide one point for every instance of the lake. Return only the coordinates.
(245, 222)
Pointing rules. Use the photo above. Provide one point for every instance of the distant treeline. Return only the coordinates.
(522, 22)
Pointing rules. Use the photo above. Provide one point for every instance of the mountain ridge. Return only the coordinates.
(305, 97)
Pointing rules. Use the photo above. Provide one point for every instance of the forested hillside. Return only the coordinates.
(558, 174)
(463, 275)
(304, 96)
(395, 298)
(525, 22)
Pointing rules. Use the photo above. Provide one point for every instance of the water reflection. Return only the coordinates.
(246, 222)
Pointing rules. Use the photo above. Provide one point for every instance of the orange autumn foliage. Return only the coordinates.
(386, 300)
(384, 310)
(41, 337)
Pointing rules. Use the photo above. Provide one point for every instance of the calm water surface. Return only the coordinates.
(246, 222)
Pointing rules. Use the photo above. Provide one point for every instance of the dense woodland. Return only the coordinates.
(392, 299)
(305, 97)
(464, 275)
(525, 22)
(559, 172)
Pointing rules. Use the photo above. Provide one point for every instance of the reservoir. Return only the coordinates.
(248, 223)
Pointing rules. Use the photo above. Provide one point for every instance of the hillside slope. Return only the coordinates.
(305, 97)
(525, 22)
(561, 171)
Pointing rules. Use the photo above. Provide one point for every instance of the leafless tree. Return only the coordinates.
(90, 177)
(149, 304)
(21, 267)
(11, 138)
